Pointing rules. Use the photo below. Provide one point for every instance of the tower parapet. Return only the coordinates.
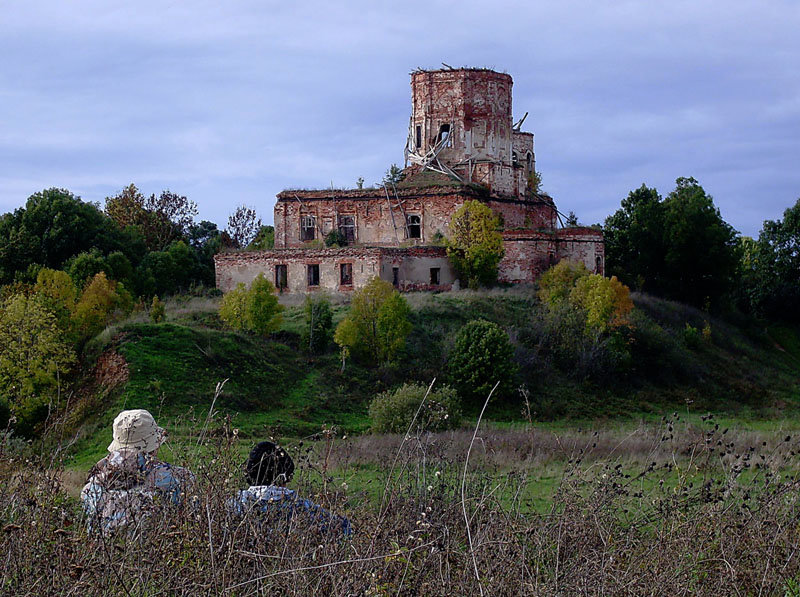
(461, 122)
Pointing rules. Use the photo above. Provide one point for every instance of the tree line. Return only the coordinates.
(150, 244)
(679, 247)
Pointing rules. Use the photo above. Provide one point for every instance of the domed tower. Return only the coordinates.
(461, 123)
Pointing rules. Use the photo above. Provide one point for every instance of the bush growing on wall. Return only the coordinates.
(392, 411)
(377, 324)
(255, 309)
(482, 356)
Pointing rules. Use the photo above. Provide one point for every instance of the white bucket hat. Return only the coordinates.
(136, 430)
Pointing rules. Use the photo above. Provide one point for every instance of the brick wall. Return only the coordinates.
(414, 267)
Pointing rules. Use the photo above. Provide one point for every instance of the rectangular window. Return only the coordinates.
(434, 276)
(395, 276)
(418, 138)
(313, 274)
(346, 274)
(444, 135)
(281, 277)
(308, 227)
(347, 228)
(413, 227)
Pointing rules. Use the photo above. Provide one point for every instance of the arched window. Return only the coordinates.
(529, 159)
(444, 134)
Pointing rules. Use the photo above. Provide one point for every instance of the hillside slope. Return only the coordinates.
(273, 388)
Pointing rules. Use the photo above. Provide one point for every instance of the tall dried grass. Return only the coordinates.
(704, 513)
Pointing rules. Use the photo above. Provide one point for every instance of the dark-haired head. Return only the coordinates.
(268, 464)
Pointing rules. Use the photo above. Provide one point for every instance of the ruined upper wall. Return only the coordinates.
(472, 107)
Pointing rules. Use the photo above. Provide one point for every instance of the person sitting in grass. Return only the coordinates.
(268, 469)
(128, 485)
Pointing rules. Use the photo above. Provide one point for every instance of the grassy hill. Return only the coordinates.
(273, 388)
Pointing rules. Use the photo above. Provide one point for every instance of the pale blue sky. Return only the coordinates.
(231, 102)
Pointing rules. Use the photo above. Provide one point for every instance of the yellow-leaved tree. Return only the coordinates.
(377, 324)
(474, 244)
(35, 354)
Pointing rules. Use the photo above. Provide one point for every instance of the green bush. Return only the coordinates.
(692, 336)
(318, 329)
(262, 307)
(377, 324)
(157, 311)
(392, 411)
(482, 356)
(255, 309)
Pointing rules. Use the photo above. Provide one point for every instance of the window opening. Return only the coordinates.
(346, 274)
(395, 276)
(281, 277)
(308, 227)
(529, 158)
(435, 276)
(347, 228)
(444, 134)
(598, 264)
(313, 274)
(418, 137)
(413, 227)
(514, 158)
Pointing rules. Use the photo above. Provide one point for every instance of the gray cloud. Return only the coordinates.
(231, 102)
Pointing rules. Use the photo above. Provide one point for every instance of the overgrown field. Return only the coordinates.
(673, 507)
(274, 388)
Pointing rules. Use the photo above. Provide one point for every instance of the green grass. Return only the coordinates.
(274, 389)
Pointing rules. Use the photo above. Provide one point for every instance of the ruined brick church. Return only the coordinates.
(462, 144)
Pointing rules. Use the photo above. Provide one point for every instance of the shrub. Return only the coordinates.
(475, 246)
(377, 324)
(262, 307)
(482, 356)
(556, 283)
(102, 301)
(334, 238)
(58, 294)
(392, 411)
(233, 308)
(318, 329)
(157, 311)
(34, 356)
(607, 302)
(692, 336)
(255, 309)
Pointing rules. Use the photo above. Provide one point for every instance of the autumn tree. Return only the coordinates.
(101, 302)
(58, 294)
(161, 218)
(475, 245)
(377, 324)
(243, 226)
(34, 357)
(254, 309)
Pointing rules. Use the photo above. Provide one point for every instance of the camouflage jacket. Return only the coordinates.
(285, 503)
(127, 486)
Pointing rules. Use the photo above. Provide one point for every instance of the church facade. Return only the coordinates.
(462, 144)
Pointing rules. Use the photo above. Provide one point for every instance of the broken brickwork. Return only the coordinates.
(337, 269)
(462, 144)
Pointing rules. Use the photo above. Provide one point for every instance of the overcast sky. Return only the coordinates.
(231, 102)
